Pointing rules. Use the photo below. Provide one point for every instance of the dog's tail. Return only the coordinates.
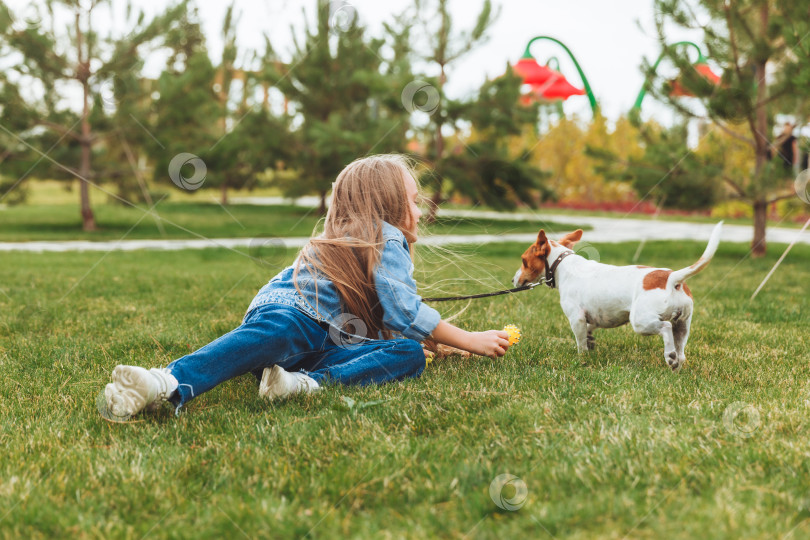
(680, 275)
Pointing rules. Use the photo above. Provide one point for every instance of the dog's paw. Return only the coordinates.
(443, 351)
(673, 361)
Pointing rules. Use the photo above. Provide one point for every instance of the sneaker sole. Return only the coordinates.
(129, 387)
(269, 380)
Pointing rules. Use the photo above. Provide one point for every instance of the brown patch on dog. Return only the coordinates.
(571, 238)
(657, 279)
(698, 263)
(642, 266)
(534, 258)
(685, 289)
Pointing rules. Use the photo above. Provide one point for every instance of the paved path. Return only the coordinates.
(611, 230)
(605, 230)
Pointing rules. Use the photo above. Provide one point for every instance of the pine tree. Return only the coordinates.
(485, 169)
(666, 172)
(748, 39)
(54, 58)
(259, 141)
(252, 139)
(446, 47)
(186, 114)
(338, 87)
(17, 161)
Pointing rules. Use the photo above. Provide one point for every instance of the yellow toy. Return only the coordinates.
(514, 333)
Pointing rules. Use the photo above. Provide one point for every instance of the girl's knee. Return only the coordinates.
(410, 345)
(415, 355)
(411, 348)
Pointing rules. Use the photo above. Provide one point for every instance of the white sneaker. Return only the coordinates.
(277, 383)
(135, 388)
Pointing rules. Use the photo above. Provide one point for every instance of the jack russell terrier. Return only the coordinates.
(595, 295)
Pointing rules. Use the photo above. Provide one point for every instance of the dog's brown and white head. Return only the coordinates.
(536, 257)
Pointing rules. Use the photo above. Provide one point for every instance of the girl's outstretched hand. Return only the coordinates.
(492, 343)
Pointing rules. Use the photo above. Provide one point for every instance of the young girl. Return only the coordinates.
(331, 316)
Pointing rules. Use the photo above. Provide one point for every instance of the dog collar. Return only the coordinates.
(550, 278)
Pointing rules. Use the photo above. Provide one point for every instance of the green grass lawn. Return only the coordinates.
(610, 445)
(189, 220)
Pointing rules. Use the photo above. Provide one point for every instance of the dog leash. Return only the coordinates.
(549, 280)
(483, 295)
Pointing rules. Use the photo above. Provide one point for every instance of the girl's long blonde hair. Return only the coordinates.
(367, 192)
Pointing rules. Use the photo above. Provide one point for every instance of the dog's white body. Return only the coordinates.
(595, 295)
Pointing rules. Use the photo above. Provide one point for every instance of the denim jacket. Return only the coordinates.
(403, 310)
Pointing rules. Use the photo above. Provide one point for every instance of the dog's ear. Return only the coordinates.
(571, 238)
(541, 237)
(541, 246)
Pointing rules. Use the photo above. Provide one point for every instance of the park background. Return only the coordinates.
(180, 123)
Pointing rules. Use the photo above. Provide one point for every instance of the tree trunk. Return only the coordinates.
(758, 244)
(435, 201)
(322, 207)
(437, 195)
(224, 193)
(88, 219)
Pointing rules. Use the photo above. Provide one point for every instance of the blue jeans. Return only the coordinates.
(276, 334)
